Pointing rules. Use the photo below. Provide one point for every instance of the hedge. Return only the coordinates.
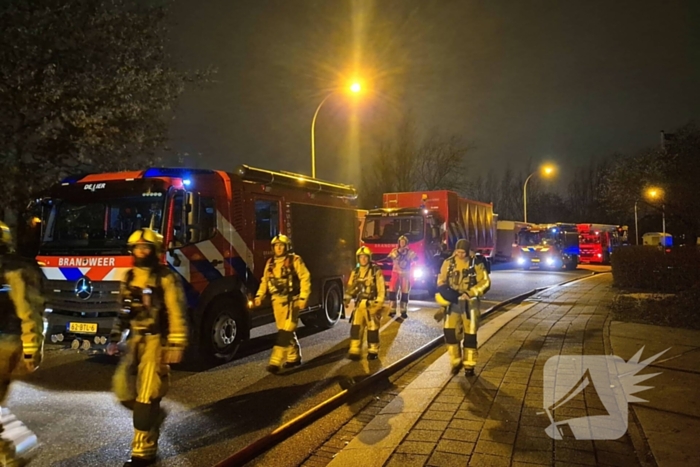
(651, 269)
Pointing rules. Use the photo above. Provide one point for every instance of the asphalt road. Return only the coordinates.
(69, 405)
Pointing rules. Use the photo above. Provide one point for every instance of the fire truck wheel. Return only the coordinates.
(329, 315)
(222, 330)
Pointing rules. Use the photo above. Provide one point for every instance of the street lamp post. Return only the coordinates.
(313, 135)
(636, 225)
(547, 170)
(355, 88)
(525, 196)
(655, 193)
(663, 224)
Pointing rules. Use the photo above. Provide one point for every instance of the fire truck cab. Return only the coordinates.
(432, 221)
(217, 228)
(598, 241)
(548, 246)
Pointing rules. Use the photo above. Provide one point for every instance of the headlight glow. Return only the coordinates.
(418, 273)
(550, 261)
(521, 260)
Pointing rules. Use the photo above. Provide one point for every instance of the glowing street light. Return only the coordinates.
(546, 171)
(657, 193)
(355, 88)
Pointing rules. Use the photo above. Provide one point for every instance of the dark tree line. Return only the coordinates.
(85, 85)
(604, 191)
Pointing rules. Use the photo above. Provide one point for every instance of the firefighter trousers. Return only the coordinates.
(140, 382)
(286, 349)
(462, 319)
(400, 282)
(15, 445)
(365, 316)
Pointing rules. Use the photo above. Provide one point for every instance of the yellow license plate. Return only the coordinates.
(535, 260)
(83, 328)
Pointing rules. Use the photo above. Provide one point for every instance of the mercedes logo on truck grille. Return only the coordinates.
(83, 288)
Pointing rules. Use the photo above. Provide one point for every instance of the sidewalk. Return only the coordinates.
(497, 418)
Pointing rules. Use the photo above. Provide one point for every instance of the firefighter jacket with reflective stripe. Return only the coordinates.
(285, 276)
(153, 302)
(403, 259)
(467, 275)
(366, 283)
(21, 302)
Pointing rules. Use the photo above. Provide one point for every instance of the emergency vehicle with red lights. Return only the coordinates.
(432, 221)
(598, 241)
(217, 228)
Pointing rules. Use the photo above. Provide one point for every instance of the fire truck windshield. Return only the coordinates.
(590, 239)
(98, 225)
(529, 238)
(389, 229)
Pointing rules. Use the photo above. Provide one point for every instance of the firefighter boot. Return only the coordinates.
(392, 310)
(18, 445)
(294, 353)
(154, 434)
(404, 307)
(138, 462)
(355, 351)
(373, 344)
(470, 354)
(454, 350)
(279, 351)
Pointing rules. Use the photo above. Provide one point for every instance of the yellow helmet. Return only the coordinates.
(440, 300)
(363, 251)
(446, 296)
(281, 238)
(404, 238)
(147, 237)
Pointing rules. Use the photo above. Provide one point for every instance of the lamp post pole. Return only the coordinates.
(636, 225)
(313, 136)
(663, 223)
(525, 196)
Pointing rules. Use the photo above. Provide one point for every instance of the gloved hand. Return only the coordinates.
(112, 348)
(172, 353)
(346, 302)
(257, 302)
(301, 303)
(439, 315)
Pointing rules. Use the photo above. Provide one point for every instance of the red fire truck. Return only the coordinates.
(432, 221)
(598, 241)
(217, 227)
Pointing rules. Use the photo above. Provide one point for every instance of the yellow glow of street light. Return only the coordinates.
(548, 170)
(654, 193)
(356, 87)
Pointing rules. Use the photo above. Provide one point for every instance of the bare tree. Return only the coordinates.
(405, 163)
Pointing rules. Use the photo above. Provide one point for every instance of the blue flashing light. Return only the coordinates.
(175, 172)
(187, 182)
(74, 178)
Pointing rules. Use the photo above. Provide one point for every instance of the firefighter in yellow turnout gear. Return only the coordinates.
(21, 340)
(462, 281)
(403, 258)
(366, 287)
(153, 311)
(288, 283)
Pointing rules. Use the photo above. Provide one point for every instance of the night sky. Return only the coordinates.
(523, 81)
